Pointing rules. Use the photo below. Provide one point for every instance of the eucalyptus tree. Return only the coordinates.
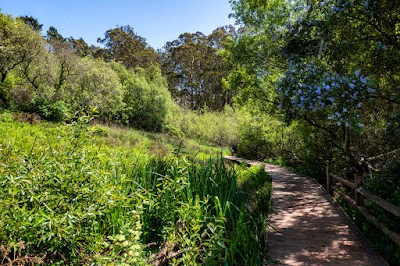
(123, 45)
(52, 35)
(32, 22)
(195, 69)
(80, 47)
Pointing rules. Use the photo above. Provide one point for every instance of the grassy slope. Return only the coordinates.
(81, 195)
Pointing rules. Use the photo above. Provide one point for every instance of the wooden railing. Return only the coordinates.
(360, 194)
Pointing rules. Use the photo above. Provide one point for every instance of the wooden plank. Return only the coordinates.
(390, 207)
(307, 228)
(241, 160)
(343, 181)
(395, 237)
(346, 198)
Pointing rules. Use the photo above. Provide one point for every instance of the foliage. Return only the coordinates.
(81, 48)
(307, 88)
(195, 69)
(6, 117)
(385, 184)
(217, 128)
(329, 57)
(32, 22)
(254, 52)
(255, 141)
(334, 68)
(247, 132)
(19, 44)
(77, 201)
(96, 84)
(57, 111)
(124, 46)
(147, 99)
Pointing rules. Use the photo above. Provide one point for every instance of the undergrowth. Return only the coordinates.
(78, 195)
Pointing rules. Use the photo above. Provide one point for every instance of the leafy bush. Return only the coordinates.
(6, 117)
(217, 128)
(386, 184)
(41, 106)
(261, 136)
(147, 100)
(59, 112)
(253, 143)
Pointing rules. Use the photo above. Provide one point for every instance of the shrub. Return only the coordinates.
(147, 101)
(252, 143)
(41, 106)
(59, 112)
(6, 117)
(217, 128)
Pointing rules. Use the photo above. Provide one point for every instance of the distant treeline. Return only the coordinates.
(126, 80)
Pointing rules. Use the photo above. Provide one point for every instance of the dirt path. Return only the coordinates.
(307, 227)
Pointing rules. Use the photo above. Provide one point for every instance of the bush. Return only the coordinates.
(6, 117)
(147, 101)
(253, 143)
(59, 112)
(217, 128)
(41, 106)
(261, 136)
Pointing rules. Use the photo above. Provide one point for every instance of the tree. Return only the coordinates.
(356, 48)
(123, 45)
(80, 47)
(64, 67)
(32, 22)
(32, 76)
(53, 35)
(19, 44)
(195, 69)
(255, 51)
(337, 63)
(94, 84)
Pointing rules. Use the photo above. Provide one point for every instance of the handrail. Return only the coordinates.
(394, 236)
(361, 193)
(388, 206)
(344, 181)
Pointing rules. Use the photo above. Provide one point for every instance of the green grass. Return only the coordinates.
(79, 195)
(154, 143)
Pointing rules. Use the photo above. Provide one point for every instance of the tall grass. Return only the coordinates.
(68, 199)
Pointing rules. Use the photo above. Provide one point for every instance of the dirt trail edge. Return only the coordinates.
(307, 228)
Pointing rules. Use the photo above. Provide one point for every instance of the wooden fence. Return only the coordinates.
(360, 194)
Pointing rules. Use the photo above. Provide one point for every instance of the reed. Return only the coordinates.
(67, 198)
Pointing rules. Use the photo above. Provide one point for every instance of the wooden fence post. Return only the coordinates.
(328, 178)
(358, 181)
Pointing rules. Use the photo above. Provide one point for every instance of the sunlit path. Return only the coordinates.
(307, 228)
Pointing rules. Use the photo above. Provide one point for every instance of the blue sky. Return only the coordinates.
(158, 21)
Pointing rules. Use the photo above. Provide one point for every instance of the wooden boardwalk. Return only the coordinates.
(307, 228)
